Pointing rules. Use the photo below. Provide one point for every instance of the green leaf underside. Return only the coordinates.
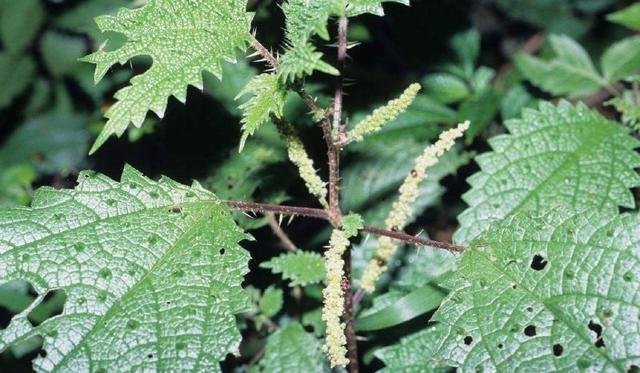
(151, 271)
(570, 73)
(302, 267)
(561, 154)
(549, 292)
(292, 349)
(184, 38)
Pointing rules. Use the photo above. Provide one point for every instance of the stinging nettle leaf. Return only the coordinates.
(130, 256)
(552, 292)
(571, 72)
(184, 38)
(557, 154)
(302, 267)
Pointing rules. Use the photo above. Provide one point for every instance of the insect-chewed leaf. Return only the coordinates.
(183, 37)
(151, 272)
(561, 154)
(552, 292)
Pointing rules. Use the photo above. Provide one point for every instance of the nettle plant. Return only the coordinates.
(544, 274)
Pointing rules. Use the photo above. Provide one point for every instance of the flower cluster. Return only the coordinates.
(299, 157)
(374, 122)
(401, 210)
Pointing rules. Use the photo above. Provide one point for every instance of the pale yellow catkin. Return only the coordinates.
(401, 209)
(298, 155)
(380, 116)
(333, 307)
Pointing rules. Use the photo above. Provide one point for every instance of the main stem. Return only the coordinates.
(334, 192)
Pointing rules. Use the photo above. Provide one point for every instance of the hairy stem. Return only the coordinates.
(282, 236)
(334, 192)
(322, 214)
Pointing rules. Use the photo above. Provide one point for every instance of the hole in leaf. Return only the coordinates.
(538, 262)
(500, 345)
(150, 356)
(529, 309)
(176, 209)
(52, 304)
(530, 331)
(557, 349)
(633, 369)
(42, 353)
(221, 251)
(16, 296)
(597, 328)
(467, 340)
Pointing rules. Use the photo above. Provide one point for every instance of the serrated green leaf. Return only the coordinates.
(629, 16)
(301, 60)
(216, 29)
(51, 143)
(61, 52)
(546, 291)
(16, 73)
(267, 97)
(130, 256)
(302, 267)
(307, 18)
(414, 304)
(570, 73)
(621, 59)
(557, 154)
(414, 353)
(445, 88)
(19, 23)
(291, 349)
(466, 45)
(271, 301)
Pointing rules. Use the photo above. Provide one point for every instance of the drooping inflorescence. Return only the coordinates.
(382, 115)
(401, 210)
(333, 293)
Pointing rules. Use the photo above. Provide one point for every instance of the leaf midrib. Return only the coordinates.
(161, 260)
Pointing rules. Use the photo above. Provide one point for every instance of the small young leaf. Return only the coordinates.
(271, 301)
(445, 88)
(302, 60)
(267, 97)
(621, 59)
(466, 45)
(557, 154)
(302, 267)
(629, 16)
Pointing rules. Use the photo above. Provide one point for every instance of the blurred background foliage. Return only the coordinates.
(460, 50)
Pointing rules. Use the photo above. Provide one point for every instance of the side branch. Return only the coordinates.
(322, 214)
